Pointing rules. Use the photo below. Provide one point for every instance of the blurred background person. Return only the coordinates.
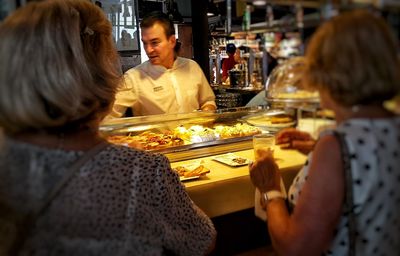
(354, 86)
(126, 42)
(119, 201)
(165, 83)
(230, 62)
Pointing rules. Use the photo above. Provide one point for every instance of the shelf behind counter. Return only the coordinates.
(244, 94)
(228, 189)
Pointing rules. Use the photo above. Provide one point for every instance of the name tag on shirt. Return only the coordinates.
(158, 88)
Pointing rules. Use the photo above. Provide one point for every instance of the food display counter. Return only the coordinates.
(228, 189)
(202, 139)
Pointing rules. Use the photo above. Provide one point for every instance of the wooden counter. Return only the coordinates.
(229, 189)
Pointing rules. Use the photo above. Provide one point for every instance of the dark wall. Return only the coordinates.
(200, 35)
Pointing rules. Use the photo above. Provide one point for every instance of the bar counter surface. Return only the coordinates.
(228, 189)
(225, 189)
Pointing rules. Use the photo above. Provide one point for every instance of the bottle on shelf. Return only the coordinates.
(246, 18)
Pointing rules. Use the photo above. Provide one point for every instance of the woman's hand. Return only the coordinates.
(208, 107)
(264, 172)
(292, 138)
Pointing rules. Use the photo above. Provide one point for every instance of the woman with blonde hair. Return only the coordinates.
(63, 189)
(346, 198)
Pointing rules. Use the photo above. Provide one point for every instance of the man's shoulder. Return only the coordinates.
(185, 62)
(142, 66)
(137, 69)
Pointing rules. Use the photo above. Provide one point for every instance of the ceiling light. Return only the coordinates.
(259, 2)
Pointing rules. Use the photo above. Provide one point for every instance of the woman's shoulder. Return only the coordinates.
(124, 161)
(365, 123)
(362, 131)
(127, 154)
(327, 152)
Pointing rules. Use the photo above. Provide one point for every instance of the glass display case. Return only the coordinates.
(285, 88)
(197, 134)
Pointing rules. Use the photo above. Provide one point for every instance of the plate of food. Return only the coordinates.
(272, 122)
(191, 171)
(232, 159)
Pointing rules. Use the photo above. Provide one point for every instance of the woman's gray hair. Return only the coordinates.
(59, 66)
(355, 58)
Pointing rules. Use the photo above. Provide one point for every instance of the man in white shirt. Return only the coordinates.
(165, 83)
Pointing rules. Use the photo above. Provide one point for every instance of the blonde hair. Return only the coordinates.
(59, 66)
(354, 57)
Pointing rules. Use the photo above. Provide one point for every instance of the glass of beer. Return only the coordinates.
(263, 142)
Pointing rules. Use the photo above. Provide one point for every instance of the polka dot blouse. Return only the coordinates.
(122, 202)
(374, 146)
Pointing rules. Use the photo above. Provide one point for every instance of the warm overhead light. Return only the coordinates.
(259, 2)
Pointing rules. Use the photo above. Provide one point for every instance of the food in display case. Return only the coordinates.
(183, 136)
(195, 133)
(237, 130)
(299, 94)
(186, 136)
(147, 140)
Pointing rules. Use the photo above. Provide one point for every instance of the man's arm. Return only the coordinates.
(116, 112)
(208, 107)
(206, 94)
(124, 98)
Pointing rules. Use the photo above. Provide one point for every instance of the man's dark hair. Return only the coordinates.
(177, 47)
(230, 48)
(158, 17)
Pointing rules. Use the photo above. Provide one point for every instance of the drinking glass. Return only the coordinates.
(263, 142)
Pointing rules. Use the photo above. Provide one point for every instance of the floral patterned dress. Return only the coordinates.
(121, 202)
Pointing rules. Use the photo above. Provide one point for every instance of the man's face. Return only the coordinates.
(158, 47)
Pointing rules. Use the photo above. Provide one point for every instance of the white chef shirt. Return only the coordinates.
(153, 89)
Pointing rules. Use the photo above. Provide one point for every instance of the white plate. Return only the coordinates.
(188, 178)
(232, 159)
(265, 123)
(191, 166)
